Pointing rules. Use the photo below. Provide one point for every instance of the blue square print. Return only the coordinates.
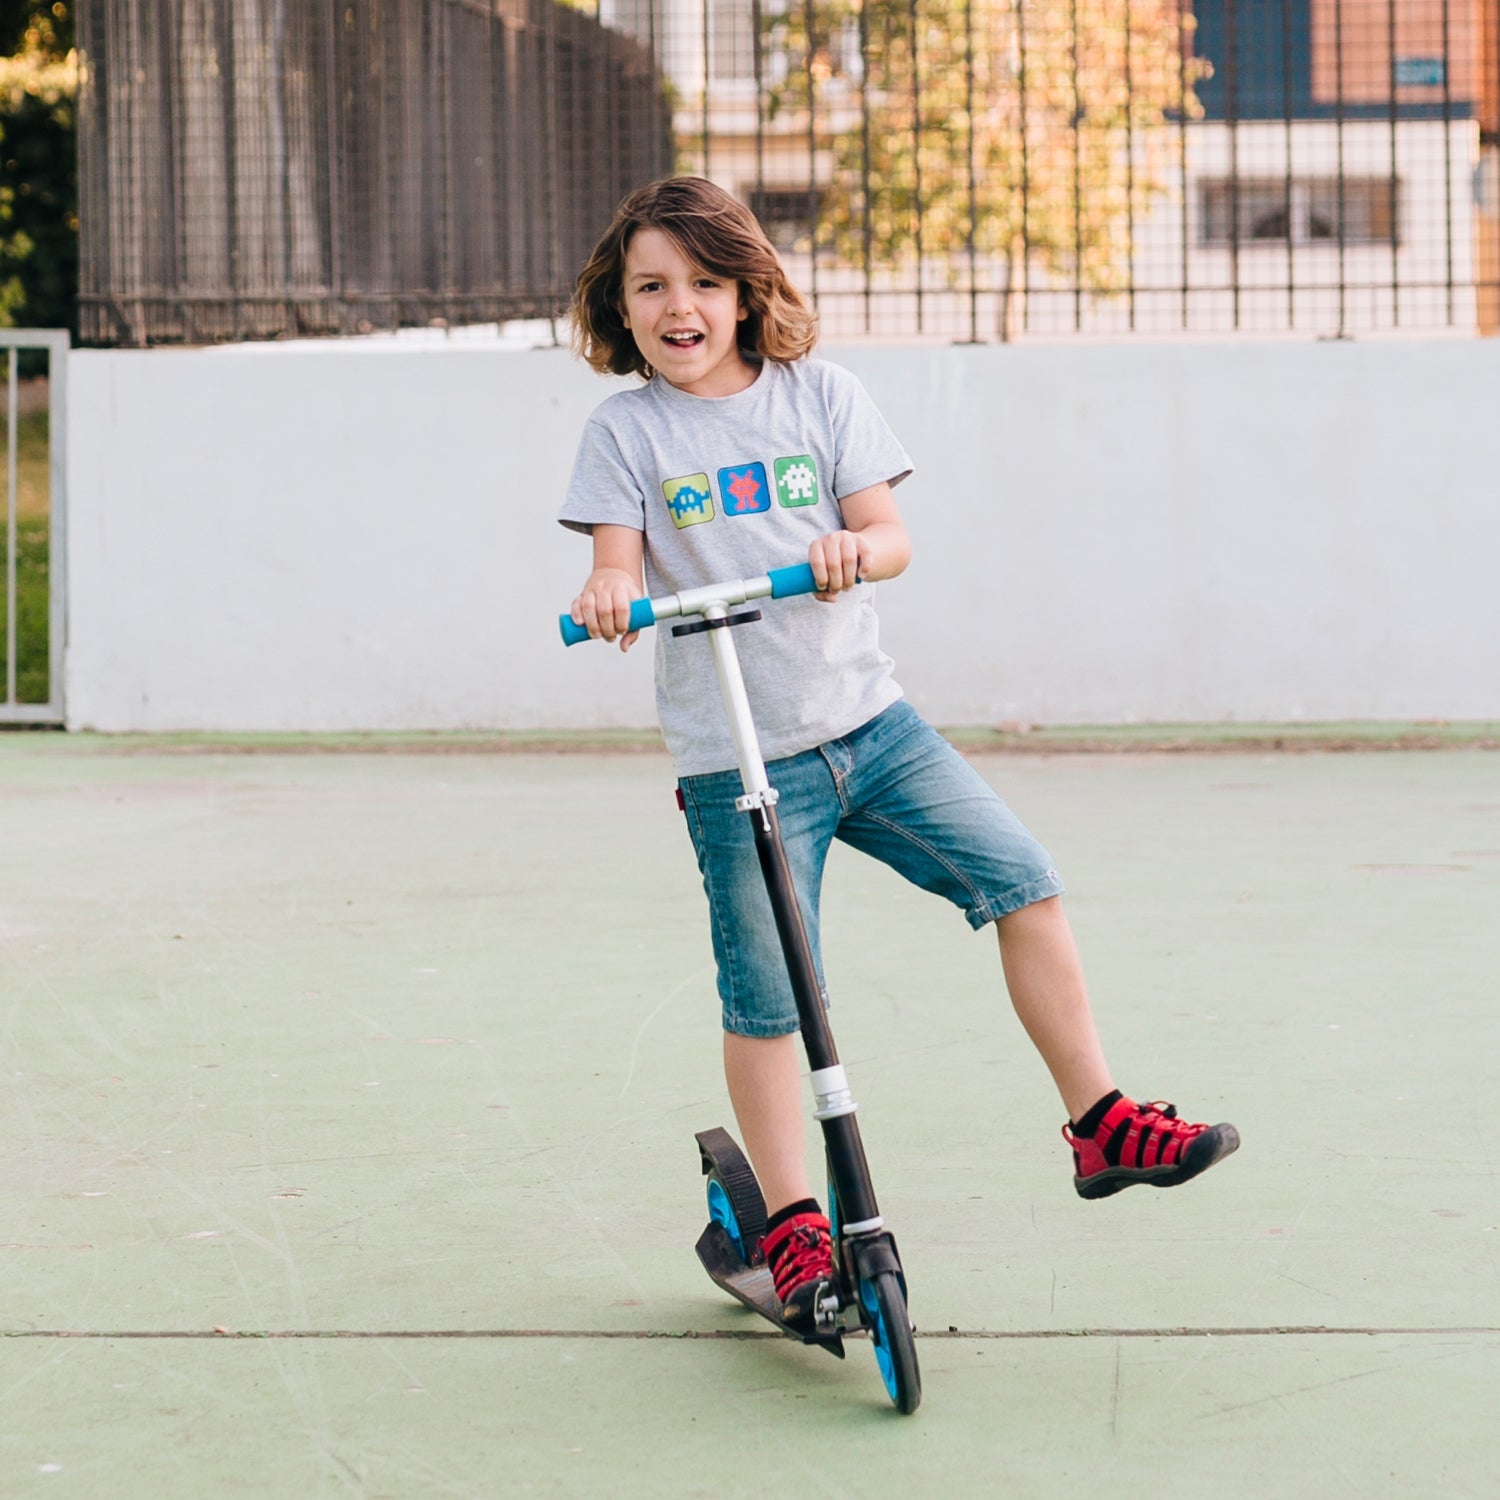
(743, 489)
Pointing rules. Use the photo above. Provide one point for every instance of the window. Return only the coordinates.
(1305, 210)
(784, 214)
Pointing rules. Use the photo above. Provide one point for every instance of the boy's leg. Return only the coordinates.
(916, 805)
(765, 1086)
(762, 1048)
(1116, 1142)
(764, 1075)
(1044, 975)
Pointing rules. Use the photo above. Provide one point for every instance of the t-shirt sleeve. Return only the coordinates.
(602, 490)
(868, 451)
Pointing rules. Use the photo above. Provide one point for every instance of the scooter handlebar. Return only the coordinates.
(797, 579)
(778, 583)
(641, 615)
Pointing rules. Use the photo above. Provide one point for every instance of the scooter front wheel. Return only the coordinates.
(884, 1306)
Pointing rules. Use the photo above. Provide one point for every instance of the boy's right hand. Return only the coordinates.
(603, 608)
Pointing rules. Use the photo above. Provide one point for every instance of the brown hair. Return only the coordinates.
(713, 231)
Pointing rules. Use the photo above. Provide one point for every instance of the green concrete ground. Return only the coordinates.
(349, 1100)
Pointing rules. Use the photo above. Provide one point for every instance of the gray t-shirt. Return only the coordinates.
(728, 488)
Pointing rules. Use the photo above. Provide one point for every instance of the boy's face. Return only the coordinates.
(685, 320)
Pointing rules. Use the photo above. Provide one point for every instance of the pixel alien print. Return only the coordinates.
(797, 481)
(688, 500)
(744, 490)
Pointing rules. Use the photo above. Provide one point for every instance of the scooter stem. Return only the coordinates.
(737, 705)
(846, 1155)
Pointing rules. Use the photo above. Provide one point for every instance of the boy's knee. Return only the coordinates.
(1044, 909)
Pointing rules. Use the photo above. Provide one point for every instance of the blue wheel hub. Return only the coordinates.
(879, 1338)
(721, 1211)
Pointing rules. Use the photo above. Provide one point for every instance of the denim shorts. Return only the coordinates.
(894, 788)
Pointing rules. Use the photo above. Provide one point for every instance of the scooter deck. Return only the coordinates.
(752, 1285)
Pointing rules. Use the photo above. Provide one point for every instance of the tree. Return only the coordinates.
(1025, 134)
(38, 166)
(51, 20)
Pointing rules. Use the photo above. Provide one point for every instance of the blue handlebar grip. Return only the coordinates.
(797, 579)
(641, 616)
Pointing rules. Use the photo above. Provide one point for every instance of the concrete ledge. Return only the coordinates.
(1030, 739)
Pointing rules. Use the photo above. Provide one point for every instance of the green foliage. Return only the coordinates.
(33, 681)
(33, 525)
(49, 23)
(38, 167)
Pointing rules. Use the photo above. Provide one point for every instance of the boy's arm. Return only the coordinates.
(604, 605)
(873, 544)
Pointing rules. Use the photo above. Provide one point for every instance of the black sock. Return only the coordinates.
(1090, 1122)
(805, 1206)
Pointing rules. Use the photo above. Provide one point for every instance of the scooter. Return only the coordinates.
(867, 1294)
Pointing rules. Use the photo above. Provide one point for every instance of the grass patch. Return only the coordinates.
(33, 462)
(375, 742)
(33, 560)
(33, 625)
(1160, 739)
(1141, 739)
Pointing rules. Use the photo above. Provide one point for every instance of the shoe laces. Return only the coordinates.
(1159, 1113)
(1154, 1114)
(1148, 1114)
(805, 1254)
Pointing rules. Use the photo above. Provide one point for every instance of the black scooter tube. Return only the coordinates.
(846, 1153)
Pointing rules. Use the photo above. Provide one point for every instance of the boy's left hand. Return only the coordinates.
(837, 561)
(872, 544)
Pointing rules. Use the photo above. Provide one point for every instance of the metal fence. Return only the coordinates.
(251, 168)
(959, 169)
(983, 169)
(32, 529)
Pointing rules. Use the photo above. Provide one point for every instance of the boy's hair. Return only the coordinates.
(713, 231)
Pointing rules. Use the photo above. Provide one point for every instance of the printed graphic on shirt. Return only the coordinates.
(689, 500)
(744, 490)
(797, 481)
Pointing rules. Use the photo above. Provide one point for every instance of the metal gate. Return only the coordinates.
(33, 572)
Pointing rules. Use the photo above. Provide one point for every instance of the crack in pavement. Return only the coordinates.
(951, 1334)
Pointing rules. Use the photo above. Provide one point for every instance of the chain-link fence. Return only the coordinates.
(961, 169)
(251, 168)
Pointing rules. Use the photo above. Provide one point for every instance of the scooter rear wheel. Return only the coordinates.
(884, 1305)
(735, 1202)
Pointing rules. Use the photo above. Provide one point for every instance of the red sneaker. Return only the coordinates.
(1144, 1143)
(800, 1254)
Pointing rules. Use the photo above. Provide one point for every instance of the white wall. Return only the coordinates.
(360, 536)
